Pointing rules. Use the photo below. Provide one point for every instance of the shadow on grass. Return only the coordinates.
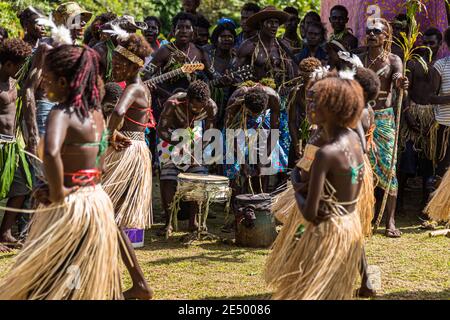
(416, 295)
(8, 255)
(224, 257)
(263, 296)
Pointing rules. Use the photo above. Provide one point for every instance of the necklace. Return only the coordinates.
(185, 55)
(374, 60)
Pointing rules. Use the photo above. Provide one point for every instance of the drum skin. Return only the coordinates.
(262, 232)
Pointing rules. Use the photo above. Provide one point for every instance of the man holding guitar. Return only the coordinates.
(174, 55)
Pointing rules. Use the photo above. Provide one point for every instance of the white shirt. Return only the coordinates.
(442, 111)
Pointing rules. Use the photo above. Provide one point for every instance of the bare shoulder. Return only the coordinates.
(393, 58)
(247, 46)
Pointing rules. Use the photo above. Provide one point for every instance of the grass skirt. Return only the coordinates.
(285, 242)
(324, 263)
(366, 202)
(284, 204)
(439, 207)
(72, 252)
(128, 182)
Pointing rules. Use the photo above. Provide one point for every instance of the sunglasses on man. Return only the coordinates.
(375, 31)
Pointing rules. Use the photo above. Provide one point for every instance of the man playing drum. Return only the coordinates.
(194, 111)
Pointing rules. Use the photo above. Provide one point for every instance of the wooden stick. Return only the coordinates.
(445, 232)
(394, 157)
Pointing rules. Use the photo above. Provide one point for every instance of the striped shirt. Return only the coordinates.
(442, 111)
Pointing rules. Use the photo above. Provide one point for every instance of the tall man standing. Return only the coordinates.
(389, 69)
(419, 119)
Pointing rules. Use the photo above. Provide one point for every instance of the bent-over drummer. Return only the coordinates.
(183, 111)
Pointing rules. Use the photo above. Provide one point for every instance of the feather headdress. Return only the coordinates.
(117, 31)
(60, 34)
(320, 73)
(353, 59)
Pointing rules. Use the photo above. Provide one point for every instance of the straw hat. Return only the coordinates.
(66, 13)
(269, 12)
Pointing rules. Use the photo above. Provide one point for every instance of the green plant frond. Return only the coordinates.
(422, 62)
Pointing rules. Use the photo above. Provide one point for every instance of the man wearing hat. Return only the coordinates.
(74, 17)
(269, 56)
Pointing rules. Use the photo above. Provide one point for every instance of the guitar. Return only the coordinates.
(186, 69)
(242, 74)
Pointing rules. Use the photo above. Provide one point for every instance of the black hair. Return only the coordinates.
(433, 32)
(29, 15)
(202, 22)
(138, 45)
(291, 10)
(320, 26)
(113, 92)
(339, 8)
(14, 50)
(221, 28)
(79, 65)
(251, 6)
(369, 81)
(184, 16)
(312, 14)
(4, 32)
(256, 100)
(198, 90)
(154, 18)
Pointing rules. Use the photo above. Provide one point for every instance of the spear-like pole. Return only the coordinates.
(412, 8)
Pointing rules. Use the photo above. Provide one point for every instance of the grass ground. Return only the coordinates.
(413, 267)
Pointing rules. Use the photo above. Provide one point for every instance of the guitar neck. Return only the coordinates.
(164, 77)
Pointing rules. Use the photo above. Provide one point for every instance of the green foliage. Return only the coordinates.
(216, 9)
(165, 9)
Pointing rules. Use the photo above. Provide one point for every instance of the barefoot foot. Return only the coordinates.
(138, 292)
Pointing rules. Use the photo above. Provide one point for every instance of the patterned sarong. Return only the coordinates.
(382, 152)
(278, 159)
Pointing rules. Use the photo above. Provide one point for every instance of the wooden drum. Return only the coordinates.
(256, 226)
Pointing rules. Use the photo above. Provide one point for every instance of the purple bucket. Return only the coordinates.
(136, 237)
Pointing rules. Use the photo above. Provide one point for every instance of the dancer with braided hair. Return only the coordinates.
(72, 251)
(128, 171)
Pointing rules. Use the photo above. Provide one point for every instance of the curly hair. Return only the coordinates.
(113, 92)
(256, 100)
(198, 90)
(14, 50)
(183, 16)
(342, 98)
(369, 81)
(79, 65)
(308, 65)
(137, 45)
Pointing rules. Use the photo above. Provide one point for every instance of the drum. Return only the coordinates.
(201, 187)
(136, 237)
(256, 227)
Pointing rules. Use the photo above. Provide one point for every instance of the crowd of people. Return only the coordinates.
(89, 107)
